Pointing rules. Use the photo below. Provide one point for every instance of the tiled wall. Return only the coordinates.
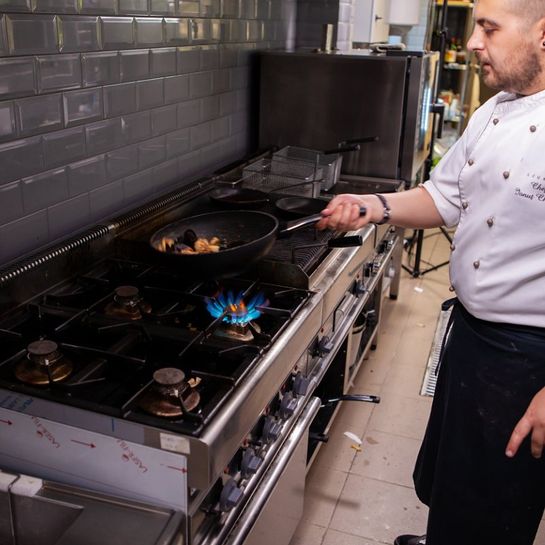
(416, 38)
(106, 103)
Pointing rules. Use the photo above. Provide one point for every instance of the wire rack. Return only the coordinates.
(280, 175)
(329, 165)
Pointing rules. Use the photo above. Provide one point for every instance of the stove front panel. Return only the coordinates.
(54, 451)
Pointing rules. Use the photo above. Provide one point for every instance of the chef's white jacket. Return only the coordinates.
(491, 184)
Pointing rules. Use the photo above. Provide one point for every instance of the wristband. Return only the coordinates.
(386, 214)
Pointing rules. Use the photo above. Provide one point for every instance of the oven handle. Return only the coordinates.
(250, 515)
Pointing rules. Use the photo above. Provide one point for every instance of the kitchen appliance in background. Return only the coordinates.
(371, 21)
(315, 100)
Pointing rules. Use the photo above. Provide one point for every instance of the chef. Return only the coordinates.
(481, 469)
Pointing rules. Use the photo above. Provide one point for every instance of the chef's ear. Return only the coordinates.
(541, 27)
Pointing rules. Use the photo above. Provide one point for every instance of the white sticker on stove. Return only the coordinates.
(175, 443)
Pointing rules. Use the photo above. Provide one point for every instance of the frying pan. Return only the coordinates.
(235, 197)
(246, 237)
(300, 206)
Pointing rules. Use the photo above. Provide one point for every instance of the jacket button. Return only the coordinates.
(465, 204)
(476, 264)
(496, 121)
(490, 222)
(471, 162)
(452, 288)
(452, 247)
(506, 174)
(533, 128)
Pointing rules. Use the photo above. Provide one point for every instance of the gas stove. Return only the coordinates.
(141, 343)
(104, 346)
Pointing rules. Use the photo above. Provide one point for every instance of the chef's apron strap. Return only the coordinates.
(446, 306)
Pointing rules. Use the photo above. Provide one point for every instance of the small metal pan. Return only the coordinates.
(300, 206)
(237, 197)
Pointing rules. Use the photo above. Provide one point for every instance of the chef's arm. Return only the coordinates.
(413, 209)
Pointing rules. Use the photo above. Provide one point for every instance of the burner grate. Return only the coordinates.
(304, 248)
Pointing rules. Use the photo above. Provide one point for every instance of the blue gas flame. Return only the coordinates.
(233, 306)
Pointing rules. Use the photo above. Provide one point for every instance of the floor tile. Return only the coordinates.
(401, 415)
(376, 510)
(308, 534)
(386, 457)
(333, 537)
(323, 489)
(338, 453)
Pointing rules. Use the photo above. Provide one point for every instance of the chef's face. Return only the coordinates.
(508, 46)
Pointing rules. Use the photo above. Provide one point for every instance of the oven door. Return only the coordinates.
(277, 503)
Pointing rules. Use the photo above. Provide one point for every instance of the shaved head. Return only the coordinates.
(531, 10)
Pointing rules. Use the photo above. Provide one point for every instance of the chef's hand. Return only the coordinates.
(533, 421)
(343, 212)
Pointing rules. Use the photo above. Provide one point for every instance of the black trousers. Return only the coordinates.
(488, 375)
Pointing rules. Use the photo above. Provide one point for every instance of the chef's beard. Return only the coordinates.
(520, 74)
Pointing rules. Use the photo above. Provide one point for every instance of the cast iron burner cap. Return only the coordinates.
(169, 391)
(44, 352)
(170, 378)
(127, 294)
(44, 364)
(128, 304)
(238, 332)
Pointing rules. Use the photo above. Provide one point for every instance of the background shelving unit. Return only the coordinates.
(458, 86)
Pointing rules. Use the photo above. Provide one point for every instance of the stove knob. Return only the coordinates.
(360, 288)
(271, 429)
(250, 462)
(325, 346)
(230, 495)
(377, 262)
(300, 385)
(288, 405)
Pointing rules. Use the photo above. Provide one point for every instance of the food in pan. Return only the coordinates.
(189, 244)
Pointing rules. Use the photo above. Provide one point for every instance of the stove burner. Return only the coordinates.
(238, 332)
(237, 317)
(44, 364)
(127, 304)
(170, 395)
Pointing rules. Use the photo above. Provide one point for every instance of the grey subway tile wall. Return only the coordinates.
(82, 106)
(59, 72)
(62, 147)
(78, 33)
(7, 121)
(107, 103)
(54, 6)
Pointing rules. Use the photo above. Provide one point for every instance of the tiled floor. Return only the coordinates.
(367, 497)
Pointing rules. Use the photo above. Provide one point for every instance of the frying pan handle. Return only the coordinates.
(308, 220)
(345, 242)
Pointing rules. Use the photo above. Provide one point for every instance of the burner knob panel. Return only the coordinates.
(230, 495)
(288, 405)
(271, 429)
(250, 462)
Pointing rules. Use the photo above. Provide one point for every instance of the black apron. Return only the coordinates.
(488, 375)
